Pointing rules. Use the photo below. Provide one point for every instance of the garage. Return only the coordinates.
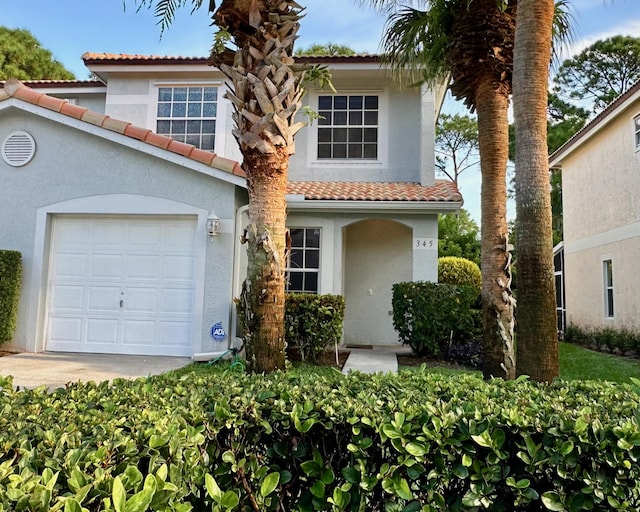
(121, 284)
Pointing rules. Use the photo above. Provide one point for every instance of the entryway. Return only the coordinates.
(378, 254)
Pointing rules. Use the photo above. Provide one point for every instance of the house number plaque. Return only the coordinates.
(425, 244)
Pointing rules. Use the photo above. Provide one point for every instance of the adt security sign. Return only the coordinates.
(217, 332)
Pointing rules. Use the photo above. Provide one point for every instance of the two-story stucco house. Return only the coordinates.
(126, 197)
(601, 215)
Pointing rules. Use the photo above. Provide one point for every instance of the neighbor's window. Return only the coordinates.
(636, 123)
(608, 288)
(348, 127)
(188, 114)
(304, 260)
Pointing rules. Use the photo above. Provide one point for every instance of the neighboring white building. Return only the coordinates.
(601, 216)
(108, 186)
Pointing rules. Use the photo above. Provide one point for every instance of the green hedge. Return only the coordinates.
(10, 283)
(621, 341)
(283, 442)
(459, 271)
(312, 323)
(429, 316)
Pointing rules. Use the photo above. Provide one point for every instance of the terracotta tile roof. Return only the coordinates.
(127, 58)
(51, 84)
(15, 89)
(441, 191)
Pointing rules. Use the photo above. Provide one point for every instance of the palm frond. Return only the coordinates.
(563, 29)
(415, 45)
(165, 10)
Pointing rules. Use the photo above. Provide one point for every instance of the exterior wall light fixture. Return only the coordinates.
(213, 225)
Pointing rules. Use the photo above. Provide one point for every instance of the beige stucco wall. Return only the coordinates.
(407, 123)
(584, 285)
(601, 205)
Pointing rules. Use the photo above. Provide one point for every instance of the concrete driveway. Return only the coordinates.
(30, 370)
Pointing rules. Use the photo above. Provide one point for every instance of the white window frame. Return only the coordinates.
(304, 269)
(608, 287)
(221, 109)
(383, 130)
(636, 132)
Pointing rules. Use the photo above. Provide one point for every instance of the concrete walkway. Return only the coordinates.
(54, 370)
(30, 370)
(373, 360)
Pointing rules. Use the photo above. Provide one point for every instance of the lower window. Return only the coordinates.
(608, 288)
(303, 265)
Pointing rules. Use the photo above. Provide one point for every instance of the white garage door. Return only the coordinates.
(122, 285)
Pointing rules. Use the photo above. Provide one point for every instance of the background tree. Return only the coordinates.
(456, 145)
(537, 328)
(472, 42)
(23, 57)
(266, 92)
(601, 72)
(459, 235)
(326, 49)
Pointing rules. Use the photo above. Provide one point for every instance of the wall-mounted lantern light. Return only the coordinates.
(213, 225)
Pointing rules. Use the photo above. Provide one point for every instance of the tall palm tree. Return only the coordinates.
(473, 43)
(537, 336)
(266, 93)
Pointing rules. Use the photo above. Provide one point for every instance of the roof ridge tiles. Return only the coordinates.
(14, 88)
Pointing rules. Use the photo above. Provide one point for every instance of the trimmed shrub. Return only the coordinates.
(410, 442)
(312, 323)
(622, 341)
(10, 284)
(430, 316)
(460, 271)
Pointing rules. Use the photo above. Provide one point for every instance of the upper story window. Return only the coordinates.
(636, 123)
(348, 127)
(188, 114)
(304, 261)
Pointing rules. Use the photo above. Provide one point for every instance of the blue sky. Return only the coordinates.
(68, 28)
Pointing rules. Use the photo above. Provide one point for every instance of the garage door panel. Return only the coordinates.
(71, 265)
(104, 299)
(107, 266)
(141, 235)
(176, 301)
(173, 333)
(68, 298)
(109, 234)
(102, 331)
(65, 329)
(179, 268)
(141, 300)
(144, 266)
(139, 332)
(148, 263)
(179, 236)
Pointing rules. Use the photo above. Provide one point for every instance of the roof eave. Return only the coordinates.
(295, 203)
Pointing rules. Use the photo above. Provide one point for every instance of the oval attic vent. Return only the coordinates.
(18, 148)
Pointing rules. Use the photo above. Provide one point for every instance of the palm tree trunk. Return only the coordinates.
(537, 328)
(263, 294)
(497, 301)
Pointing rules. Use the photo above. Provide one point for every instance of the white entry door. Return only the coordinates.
(122, 285)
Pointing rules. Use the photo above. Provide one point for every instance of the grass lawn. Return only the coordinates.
(578, 363)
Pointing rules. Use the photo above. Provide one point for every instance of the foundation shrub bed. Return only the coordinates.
(10, 283)
(621, 341)
(228, 441)
(433, 317)
(312, 323)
